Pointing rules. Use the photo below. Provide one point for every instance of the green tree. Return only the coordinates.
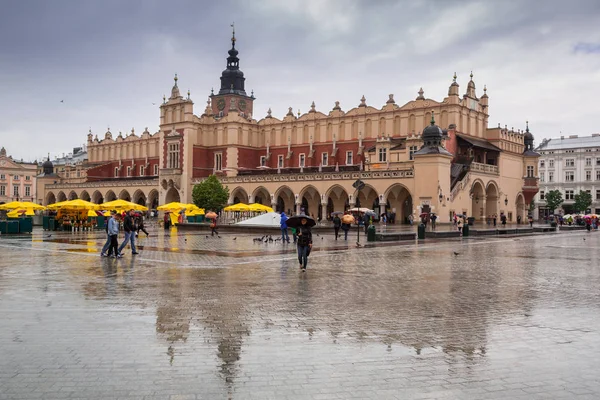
(554, 199)
(210, 194)
(583, 201)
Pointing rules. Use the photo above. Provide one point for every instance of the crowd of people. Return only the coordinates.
(132, 223)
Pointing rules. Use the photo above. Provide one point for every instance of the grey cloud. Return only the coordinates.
(111, 60)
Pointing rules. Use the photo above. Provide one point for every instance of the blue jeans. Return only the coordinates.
(284, 235)
(129, 236)
(106, 245)
(303, 255)
(346, 234)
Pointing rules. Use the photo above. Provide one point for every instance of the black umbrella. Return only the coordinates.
(337, 213)
(296, 221)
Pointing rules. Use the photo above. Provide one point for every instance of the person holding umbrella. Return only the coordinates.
(303, 224)
(212, 216)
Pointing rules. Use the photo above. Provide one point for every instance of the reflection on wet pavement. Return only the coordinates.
(218, 318)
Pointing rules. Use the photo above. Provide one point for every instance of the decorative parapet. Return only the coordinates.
(324, 176)
(485, 168)
(98, 184)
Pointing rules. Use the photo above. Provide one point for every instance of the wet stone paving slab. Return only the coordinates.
(196, 317)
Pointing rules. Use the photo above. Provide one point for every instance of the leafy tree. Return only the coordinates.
(554, 199)
(210, 194)
(583, 201)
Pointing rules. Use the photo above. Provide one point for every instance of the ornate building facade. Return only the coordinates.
(310, 161)
(17, 179)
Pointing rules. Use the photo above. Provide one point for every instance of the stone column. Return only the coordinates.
(298, 205)
(274, 206)
(324, 211)
(483, 204)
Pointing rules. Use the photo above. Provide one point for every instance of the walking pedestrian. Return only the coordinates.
(166, 221)
(411, 219)
(113, 232)
(337, 223)
(284, 228)
(213, 227)
(503, 220)
(530, 221)
(494, 218)
(128, 227)
(433, 219)
(304, 243)
(107, 244)
(140, 226)
(459, 224)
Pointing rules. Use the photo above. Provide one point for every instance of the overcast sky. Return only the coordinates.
(110, 60)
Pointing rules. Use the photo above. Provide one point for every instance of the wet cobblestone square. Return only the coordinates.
(196, 317)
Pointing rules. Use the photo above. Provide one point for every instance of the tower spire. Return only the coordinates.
(233, 34)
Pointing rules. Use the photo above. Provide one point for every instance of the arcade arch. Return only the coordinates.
(139, 197)
(72, 195)
(152, 200)
(261, 195)
(285, 200)
(172, 195)
(520, 207)
(310, 202)
(238, 195)
(337, 199)
(61, 196)
(399, 202)
(50, 198)
(110, 196)
(97, 197)
(477, 199)
(84, 196)
(491, 198)
(124, 195)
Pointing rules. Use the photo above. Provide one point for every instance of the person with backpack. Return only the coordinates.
(107, 244)
(337, 223)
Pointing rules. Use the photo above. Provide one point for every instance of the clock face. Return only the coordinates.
(221, 104)
(242, 105)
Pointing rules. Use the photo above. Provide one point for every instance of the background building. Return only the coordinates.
(17, 179)
(569, 164)
(310, 161)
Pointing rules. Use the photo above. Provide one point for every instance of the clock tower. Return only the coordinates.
(232, 95)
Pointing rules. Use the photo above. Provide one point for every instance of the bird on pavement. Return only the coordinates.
(219, 236)
(358, 244)
(234, 238)
(455, 253)
(207, 236)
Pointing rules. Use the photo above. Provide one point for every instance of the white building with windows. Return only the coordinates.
(17, 179)
(569, 164)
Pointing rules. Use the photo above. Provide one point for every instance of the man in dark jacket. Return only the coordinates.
(129, 228)
(337, 223)
(304, 243)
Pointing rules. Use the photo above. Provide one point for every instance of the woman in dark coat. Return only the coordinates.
(304, 243)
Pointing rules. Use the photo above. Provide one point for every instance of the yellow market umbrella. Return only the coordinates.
(172, 206)
(237, 207)
(76, 204)
(194, 208)
(260, 207)
(122, 205)
(92, 213)
(17, 213)
(21, 205)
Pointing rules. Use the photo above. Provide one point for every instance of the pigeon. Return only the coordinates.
(455, 253)
(322, 238)
(207, 236)
(278, 239)
(234, 238)
(219, 236)
(317, 234)
(358, 244)
(51, 236)
(185, 240)
(583, 238)
(270, 238)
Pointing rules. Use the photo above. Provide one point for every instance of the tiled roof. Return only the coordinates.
(570, 143)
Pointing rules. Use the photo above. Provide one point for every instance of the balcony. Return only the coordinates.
(485, 168)
(530, 183)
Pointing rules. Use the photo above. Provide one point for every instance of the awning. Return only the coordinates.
(484, 144)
